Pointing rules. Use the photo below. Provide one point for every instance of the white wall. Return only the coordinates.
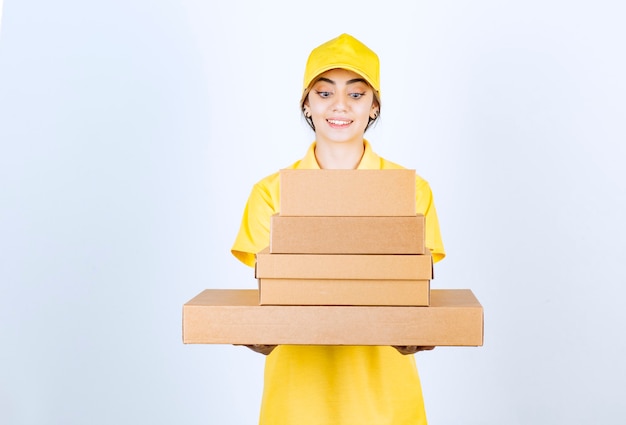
(132, 131)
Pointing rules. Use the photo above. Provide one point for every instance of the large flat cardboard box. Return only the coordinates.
(346, 235)
(344, 292)
(347, 192)
(232, 316)
(348, 266)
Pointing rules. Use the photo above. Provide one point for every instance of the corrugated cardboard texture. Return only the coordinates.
(346, 235)
(348, 266)
(222, 316)
(344, 292)
(347, 192)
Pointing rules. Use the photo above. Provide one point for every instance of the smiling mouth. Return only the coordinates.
(339, 122)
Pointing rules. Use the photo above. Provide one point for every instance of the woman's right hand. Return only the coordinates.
(260, 348)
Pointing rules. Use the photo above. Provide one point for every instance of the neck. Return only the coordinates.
(339, 156)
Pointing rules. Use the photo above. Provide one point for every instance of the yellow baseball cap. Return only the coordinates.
(344, 52)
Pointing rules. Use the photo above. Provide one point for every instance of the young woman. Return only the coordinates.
(337, 385)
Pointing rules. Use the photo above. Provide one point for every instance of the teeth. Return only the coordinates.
(337, 122)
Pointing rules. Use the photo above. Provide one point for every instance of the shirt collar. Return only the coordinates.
(369, 161)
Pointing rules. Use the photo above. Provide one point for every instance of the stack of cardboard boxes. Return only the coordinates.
(327, 250)
(346, 265)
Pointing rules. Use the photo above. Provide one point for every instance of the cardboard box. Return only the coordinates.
(222, 316)
(344, 292)
(346, 235)
(348, 266)
(347, 192)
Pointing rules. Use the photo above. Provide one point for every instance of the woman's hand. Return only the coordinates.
(260, 348)
(411, 349)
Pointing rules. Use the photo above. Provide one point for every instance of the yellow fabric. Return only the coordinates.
(341, 385)
(344, 52)
(335, 385)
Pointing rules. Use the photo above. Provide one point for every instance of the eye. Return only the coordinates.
(324, 94)
(356, 95)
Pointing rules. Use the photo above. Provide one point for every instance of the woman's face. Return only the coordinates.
(340, 103)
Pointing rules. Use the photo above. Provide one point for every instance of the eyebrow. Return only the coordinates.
(354, 80)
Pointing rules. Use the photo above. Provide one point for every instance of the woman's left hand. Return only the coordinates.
(411, 349)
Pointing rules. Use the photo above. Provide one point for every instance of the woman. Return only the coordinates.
(353, 385)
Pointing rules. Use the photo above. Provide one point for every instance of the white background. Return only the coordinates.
(131, 133)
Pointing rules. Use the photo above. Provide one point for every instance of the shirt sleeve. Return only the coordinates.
(254, 232)
(426, 205)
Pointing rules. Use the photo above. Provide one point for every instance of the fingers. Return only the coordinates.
(412, 349)
(260, 348)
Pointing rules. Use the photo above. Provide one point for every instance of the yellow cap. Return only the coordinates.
(344, 52)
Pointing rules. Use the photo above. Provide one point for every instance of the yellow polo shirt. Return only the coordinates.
(335, 385)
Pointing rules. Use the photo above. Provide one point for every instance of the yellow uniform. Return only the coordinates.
(335, 385)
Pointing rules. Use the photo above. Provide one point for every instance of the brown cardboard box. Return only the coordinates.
(346, 266)
(347, 192)
(346, 235)
(344, 292)
(222, 316)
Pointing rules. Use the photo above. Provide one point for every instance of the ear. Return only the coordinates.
(374, 111)
(306, 109)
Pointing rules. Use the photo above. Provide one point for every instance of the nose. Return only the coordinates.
(340, 104)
